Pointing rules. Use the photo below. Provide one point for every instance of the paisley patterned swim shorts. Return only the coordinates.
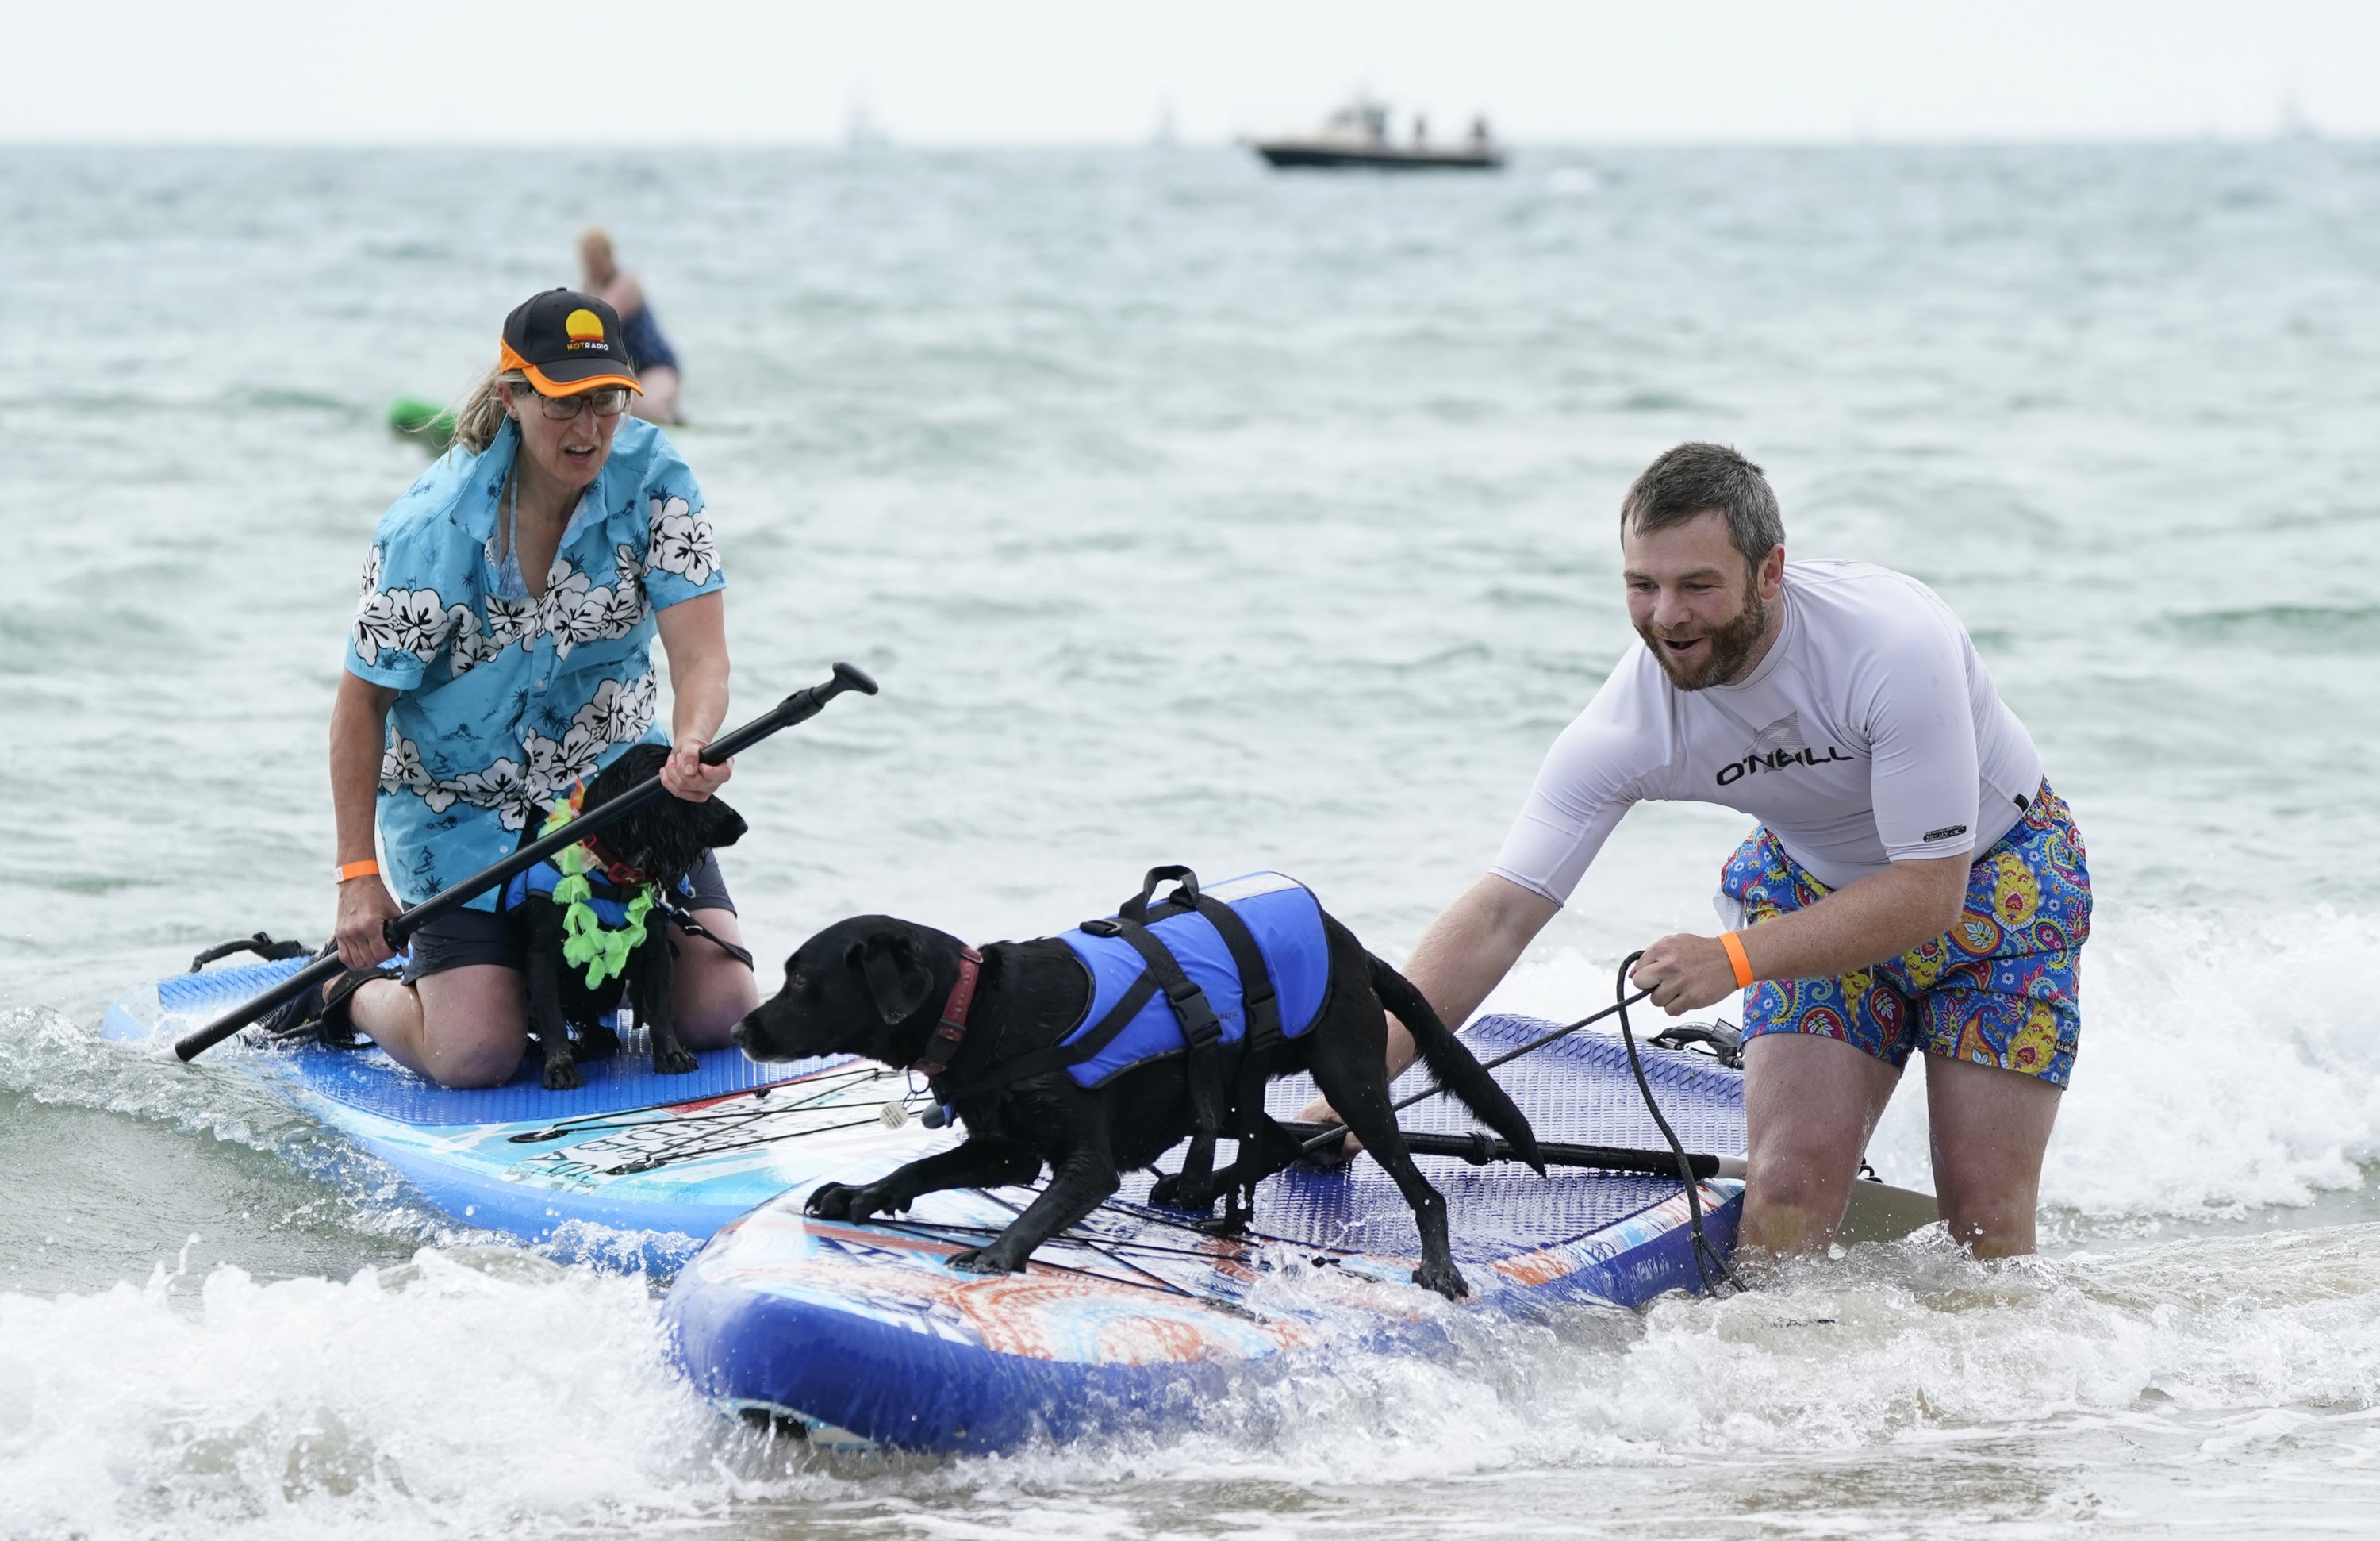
(1998, 988)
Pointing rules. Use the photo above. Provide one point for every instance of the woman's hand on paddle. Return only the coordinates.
(1686, 973)
(685, 775)
(364, 903)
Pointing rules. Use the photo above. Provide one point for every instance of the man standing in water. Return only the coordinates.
(1914, 884)
(649, 352)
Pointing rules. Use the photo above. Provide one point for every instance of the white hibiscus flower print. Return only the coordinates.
(471, 646)
(511, 621)
(401, 771)
(400, 620)
(371, 572)
(504, 786)
(555, 764)
(622, 608)
(508, 621)
(628, 606)
(574, 612)
(564, 615)
(419, 620)
(375, 625)
(681, 542)
(620, 713)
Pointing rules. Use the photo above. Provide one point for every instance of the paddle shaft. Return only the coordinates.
(1334, 1131)
(799, 707)
(1481, 1149)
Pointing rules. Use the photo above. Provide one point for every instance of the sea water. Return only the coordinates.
(1188, 512)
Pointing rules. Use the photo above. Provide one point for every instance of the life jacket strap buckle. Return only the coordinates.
(1200, 1026)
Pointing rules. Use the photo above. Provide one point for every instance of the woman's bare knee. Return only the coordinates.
(474, 1026)
(713, 990)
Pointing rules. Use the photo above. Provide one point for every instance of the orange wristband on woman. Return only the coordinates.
(1736, 956)
(354, 869)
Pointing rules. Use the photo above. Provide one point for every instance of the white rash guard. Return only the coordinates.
(1870, 733)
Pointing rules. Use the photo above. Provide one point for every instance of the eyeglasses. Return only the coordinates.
(608, 402)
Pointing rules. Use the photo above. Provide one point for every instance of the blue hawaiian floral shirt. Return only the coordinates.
(503, 698)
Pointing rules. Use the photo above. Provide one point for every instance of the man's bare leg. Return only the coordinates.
(1990, 1128)
(461, 1028)
(1810, 1104)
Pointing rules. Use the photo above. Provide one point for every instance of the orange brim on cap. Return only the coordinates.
(547, 386)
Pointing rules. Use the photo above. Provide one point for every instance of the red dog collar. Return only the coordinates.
(619, 874)
(951, 1030)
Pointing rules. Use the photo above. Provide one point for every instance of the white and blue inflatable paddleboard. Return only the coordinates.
(863, 1334)
(632, 1168)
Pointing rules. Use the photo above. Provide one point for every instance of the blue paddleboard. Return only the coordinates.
(863, 1334)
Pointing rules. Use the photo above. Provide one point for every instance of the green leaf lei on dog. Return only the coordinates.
(585, 939)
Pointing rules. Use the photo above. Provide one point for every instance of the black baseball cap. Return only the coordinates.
(567, 343)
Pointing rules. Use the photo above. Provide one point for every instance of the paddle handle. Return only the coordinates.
(799, 707)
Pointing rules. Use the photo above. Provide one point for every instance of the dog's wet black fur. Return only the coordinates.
(666, 839)
(875, 986)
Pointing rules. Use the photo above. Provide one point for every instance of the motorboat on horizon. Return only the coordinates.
(1356, 138)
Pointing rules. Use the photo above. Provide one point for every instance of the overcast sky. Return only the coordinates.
(1060, 71)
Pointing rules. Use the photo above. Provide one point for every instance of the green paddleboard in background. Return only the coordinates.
(426, 421)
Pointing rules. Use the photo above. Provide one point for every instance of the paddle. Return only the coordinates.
(1877, 1211)
(1481, 1149)
(799, 707)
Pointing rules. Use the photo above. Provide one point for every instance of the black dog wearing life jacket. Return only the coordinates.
(634, 872)
(1009, 1039)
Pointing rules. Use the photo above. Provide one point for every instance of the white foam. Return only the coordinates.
(490, 1392)
(451, 1395)
(2227, 1066)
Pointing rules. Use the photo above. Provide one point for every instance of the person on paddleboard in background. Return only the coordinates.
(502, 654)
(1914, 885)
(648, 351)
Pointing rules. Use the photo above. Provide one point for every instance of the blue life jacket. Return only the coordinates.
(609, 902)
(1283, 917)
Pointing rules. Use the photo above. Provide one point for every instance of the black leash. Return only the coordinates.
(1339, 1132)
(684, 921)
(1705, 1254)
(1706, 1257)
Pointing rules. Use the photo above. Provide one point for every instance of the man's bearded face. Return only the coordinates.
(1696, 655)
(1695, 601)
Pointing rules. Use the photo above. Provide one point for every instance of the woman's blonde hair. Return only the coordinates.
(479, 416)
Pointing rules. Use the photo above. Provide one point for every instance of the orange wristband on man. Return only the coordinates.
(1736, 956)
(354, 869)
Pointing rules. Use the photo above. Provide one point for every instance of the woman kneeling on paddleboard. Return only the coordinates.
(502, 652)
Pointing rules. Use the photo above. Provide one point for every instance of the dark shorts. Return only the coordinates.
(461, 938)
